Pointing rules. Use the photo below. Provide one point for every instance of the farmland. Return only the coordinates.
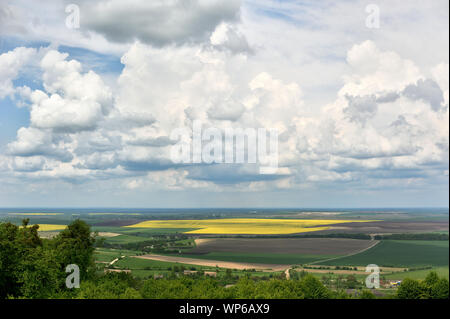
(305, 246)
(245, 225)
(418, 274)
(262, 258)
(143, 267)
(327, 244)
(286, 251)
(400, 254)
(50, 227)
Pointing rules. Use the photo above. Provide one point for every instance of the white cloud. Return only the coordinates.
(369, 127)
(76, 102)
(354, 108)
(35, 142)
(229, 37)
(157, 22)
(11, 64)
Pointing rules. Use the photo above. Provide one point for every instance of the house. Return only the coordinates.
(395, 283)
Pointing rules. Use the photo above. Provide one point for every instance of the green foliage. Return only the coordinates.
(410, 289)
(109, 286)
(367, 294)
(432, 287)
(35, 268)
(75, 245)
(38, 274)
(9, 258)
(414, 236)
(312, 288)
(351, 282)
(440, 289)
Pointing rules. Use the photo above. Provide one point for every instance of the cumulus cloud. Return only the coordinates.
(426, 90)
(35, 142)
(378, 128)
(74, 101)
(388, 120)
(227, 36)
(28, 164)
(158, 22)
(376, 71)
(10, 65)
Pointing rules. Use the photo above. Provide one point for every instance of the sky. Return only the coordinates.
(92, 91)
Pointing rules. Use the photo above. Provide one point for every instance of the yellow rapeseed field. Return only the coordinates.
(249, 226)
(50, 227)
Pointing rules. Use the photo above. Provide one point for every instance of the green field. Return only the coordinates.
(147, 264)
(397, 253)
(259, 258)
(125, 239)
(146, 268)
(418, 274)
(143, 231)
(108, 255)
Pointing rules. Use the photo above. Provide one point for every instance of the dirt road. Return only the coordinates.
(375, 242)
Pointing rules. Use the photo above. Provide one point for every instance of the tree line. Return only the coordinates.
(414, 236)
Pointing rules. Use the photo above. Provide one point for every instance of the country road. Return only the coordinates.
(355, 253)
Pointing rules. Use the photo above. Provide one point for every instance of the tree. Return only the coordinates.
(367, 294)
(9, 258)
(75, 245)
(431, 279)
(410, 289)
(28, 236)
(326, 280)
(312, 288)
(439, 290)
(351, 282)
(38, 274)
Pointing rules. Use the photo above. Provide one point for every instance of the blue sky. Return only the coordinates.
(87, 114)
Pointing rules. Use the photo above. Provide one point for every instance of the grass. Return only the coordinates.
(252, 226)
(107, 229)
(334, 276)
(108, 255)
(125, 239)
(397, 253)
(155, 231)
(140, 231)
(418, 274)
(143, 268)
(138, 263)
(259, 258)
